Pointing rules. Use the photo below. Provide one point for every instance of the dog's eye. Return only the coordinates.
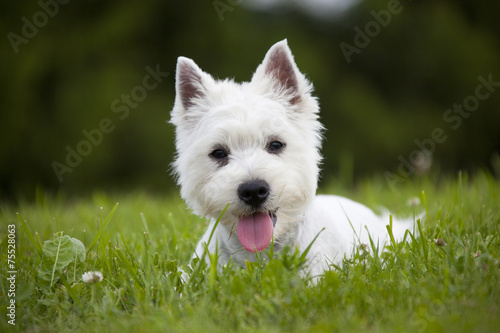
(275, 147)
(219, 154)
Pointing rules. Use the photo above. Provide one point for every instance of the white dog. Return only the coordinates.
(254, 147)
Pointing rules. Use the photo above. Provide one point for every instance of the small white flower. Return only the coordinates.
(413, 202)
(92, 277)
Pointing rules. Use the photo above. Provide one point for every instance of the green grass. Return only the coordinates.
(141, 245)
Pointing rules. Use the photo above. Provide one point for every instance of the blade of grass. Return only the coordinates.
(425, 205)
(306, 251)
(213, 267)
(196, 271)
(389, 230)
(39, 240)
(422, 240)
(375, 249)
(102, 227)
(56, 260)
(460, 205)
(147, 269)
(143, 219)
(130, 269)
(460, 189)
(127, 250)
(36, 245)
(271, 249)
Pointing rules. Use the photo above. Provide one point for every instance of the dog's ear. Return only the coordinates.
(188, 82)
(280, 68)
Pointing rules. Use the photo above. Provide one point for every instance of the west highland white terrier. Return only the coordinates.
(254, 147)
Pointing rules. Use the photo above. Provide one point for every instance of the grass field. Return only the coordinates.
(447, 280)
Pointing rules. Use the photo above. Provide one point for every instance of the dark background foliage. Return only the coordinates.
(83, 56)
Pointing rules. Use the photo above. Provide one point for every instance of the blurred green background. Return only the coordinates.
(65, 66)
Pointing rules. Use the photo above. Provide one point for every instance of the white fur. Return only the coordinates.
(276, 104)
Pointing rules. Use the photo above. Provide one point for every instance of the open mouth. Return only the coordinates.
(255, 231)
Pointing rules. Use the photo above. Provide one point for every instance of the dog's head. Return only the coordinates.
(254, 146)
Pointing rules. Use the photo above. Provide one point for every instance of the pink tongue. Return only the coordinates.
(255, 231)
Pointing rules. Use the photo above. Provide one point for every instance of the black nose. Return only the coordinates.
(254, 193)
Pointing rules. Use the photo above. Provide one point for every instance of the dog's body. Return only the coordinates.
(343, 221)
(255, 146)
